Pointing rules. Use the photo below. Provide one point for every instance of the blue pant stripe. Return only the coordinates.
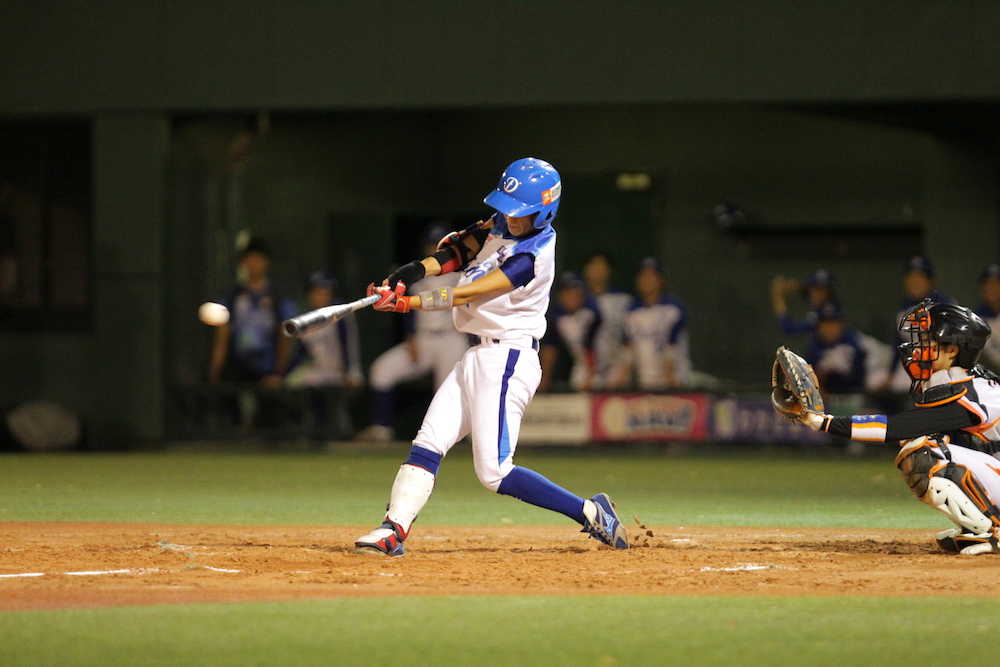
(503, 437)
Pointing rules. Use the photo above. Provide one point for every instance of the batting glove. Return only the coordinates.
(390, 300)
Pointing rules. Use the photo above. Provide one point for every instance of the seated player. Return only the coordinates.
(989, 310)
(331, 356)
(507, 264)
(950, 437)
(327, 360)
(573, 322)
(836, 352)
(613, 307)
(432, 345)
(656, 343)
(819, 288)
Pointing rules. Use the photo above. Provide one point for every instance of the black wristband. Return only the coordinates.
(408, 273)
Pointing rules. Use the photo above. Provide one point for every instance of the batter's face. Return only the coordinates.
(520, 226)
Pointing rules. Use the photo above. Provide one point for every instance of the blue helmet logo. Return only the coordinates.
(528, 186)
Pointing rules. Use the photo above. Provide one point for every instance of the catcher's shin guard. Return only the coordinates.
(954, 491)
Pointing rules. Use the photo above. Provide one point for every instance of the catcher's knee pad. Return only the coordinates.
(947, 487)
(915, 461)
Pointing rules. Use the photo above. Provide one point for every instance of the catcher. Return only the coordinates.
(949, 442)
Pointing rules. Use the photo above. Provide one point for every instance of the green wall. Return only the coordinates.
(186, 55)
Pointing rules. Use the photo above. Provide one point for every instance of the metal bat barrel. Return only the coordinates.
(316, 319)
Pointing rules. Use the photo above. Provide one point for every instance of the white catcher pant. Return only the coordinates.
(985, 468)
(485, 395)
(436, 352)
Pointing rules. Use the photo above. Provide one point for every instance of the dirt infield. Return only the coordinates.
(99, 564)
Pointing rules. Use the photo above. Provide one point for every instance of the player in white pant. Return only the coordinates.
(950, 441)
(507, 264)
(434, 346)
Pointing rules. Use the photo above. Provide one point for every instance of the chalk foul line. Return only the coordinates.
(97, 573)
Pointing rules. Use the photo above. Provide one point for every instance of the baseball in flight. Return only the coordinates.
(213, 314)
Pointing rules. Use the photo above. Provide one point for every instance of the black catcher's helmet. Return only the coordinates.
(943, 323)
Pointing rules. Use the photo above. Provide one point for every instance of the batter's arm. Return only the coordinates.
(493, 284)
(454, 252)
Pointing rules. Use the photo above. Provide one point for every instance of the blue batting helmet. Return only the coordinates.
(527, 186)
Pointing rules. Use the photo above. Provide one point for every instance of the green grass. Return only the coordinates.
(513, 631)
(351, 488)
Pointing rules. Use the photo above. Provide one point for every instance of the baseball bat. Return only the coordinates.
(319, 318)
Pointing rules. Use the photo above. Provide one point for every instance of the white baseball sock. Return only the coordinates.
(410, 493)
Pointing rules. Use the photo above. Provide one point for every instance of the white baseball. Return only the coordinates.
(213, 314)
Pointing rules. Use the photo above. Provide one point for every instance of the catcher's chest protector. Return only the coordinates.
(978, 395)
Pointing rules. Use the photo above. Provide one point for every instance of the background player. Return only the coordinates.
(613, 306)
(655, 334)
(432, 345)
(508, 263)
(573, 324)
(949, 437)
(819, 288)
(836, 353)
(326, 362)
(989, 310)
(249, 349)
(918, 284)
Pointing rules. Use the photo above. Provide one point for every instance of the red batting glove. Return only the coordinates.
(390, 300)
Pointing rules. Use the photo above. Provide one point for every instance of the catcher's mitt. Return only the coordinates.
(794, 387)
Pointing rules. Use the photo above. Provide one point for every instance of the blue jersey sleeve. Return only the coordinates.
(519, 269)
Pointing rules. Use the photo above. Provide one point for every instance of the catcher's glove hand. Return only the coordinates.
(794, 387)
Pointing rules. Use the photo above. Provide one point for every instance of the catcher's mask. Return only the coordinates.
(916, 352)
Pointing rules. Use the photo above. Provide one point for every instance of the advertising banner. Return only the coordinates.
(754, 420)
(649, 416)
(557, 418)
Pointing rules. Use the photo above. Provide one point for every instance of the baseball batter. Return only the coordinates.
(950, 439)
(507, 264)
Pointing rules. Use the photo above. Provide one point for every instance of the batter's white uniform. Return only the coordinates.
(487, 391)
(439, 346)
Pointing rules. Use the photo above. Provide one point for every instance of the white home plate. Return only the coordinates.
(749, 567)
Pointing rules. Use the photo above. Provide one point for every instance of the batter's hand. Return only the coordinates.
(390, 300)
